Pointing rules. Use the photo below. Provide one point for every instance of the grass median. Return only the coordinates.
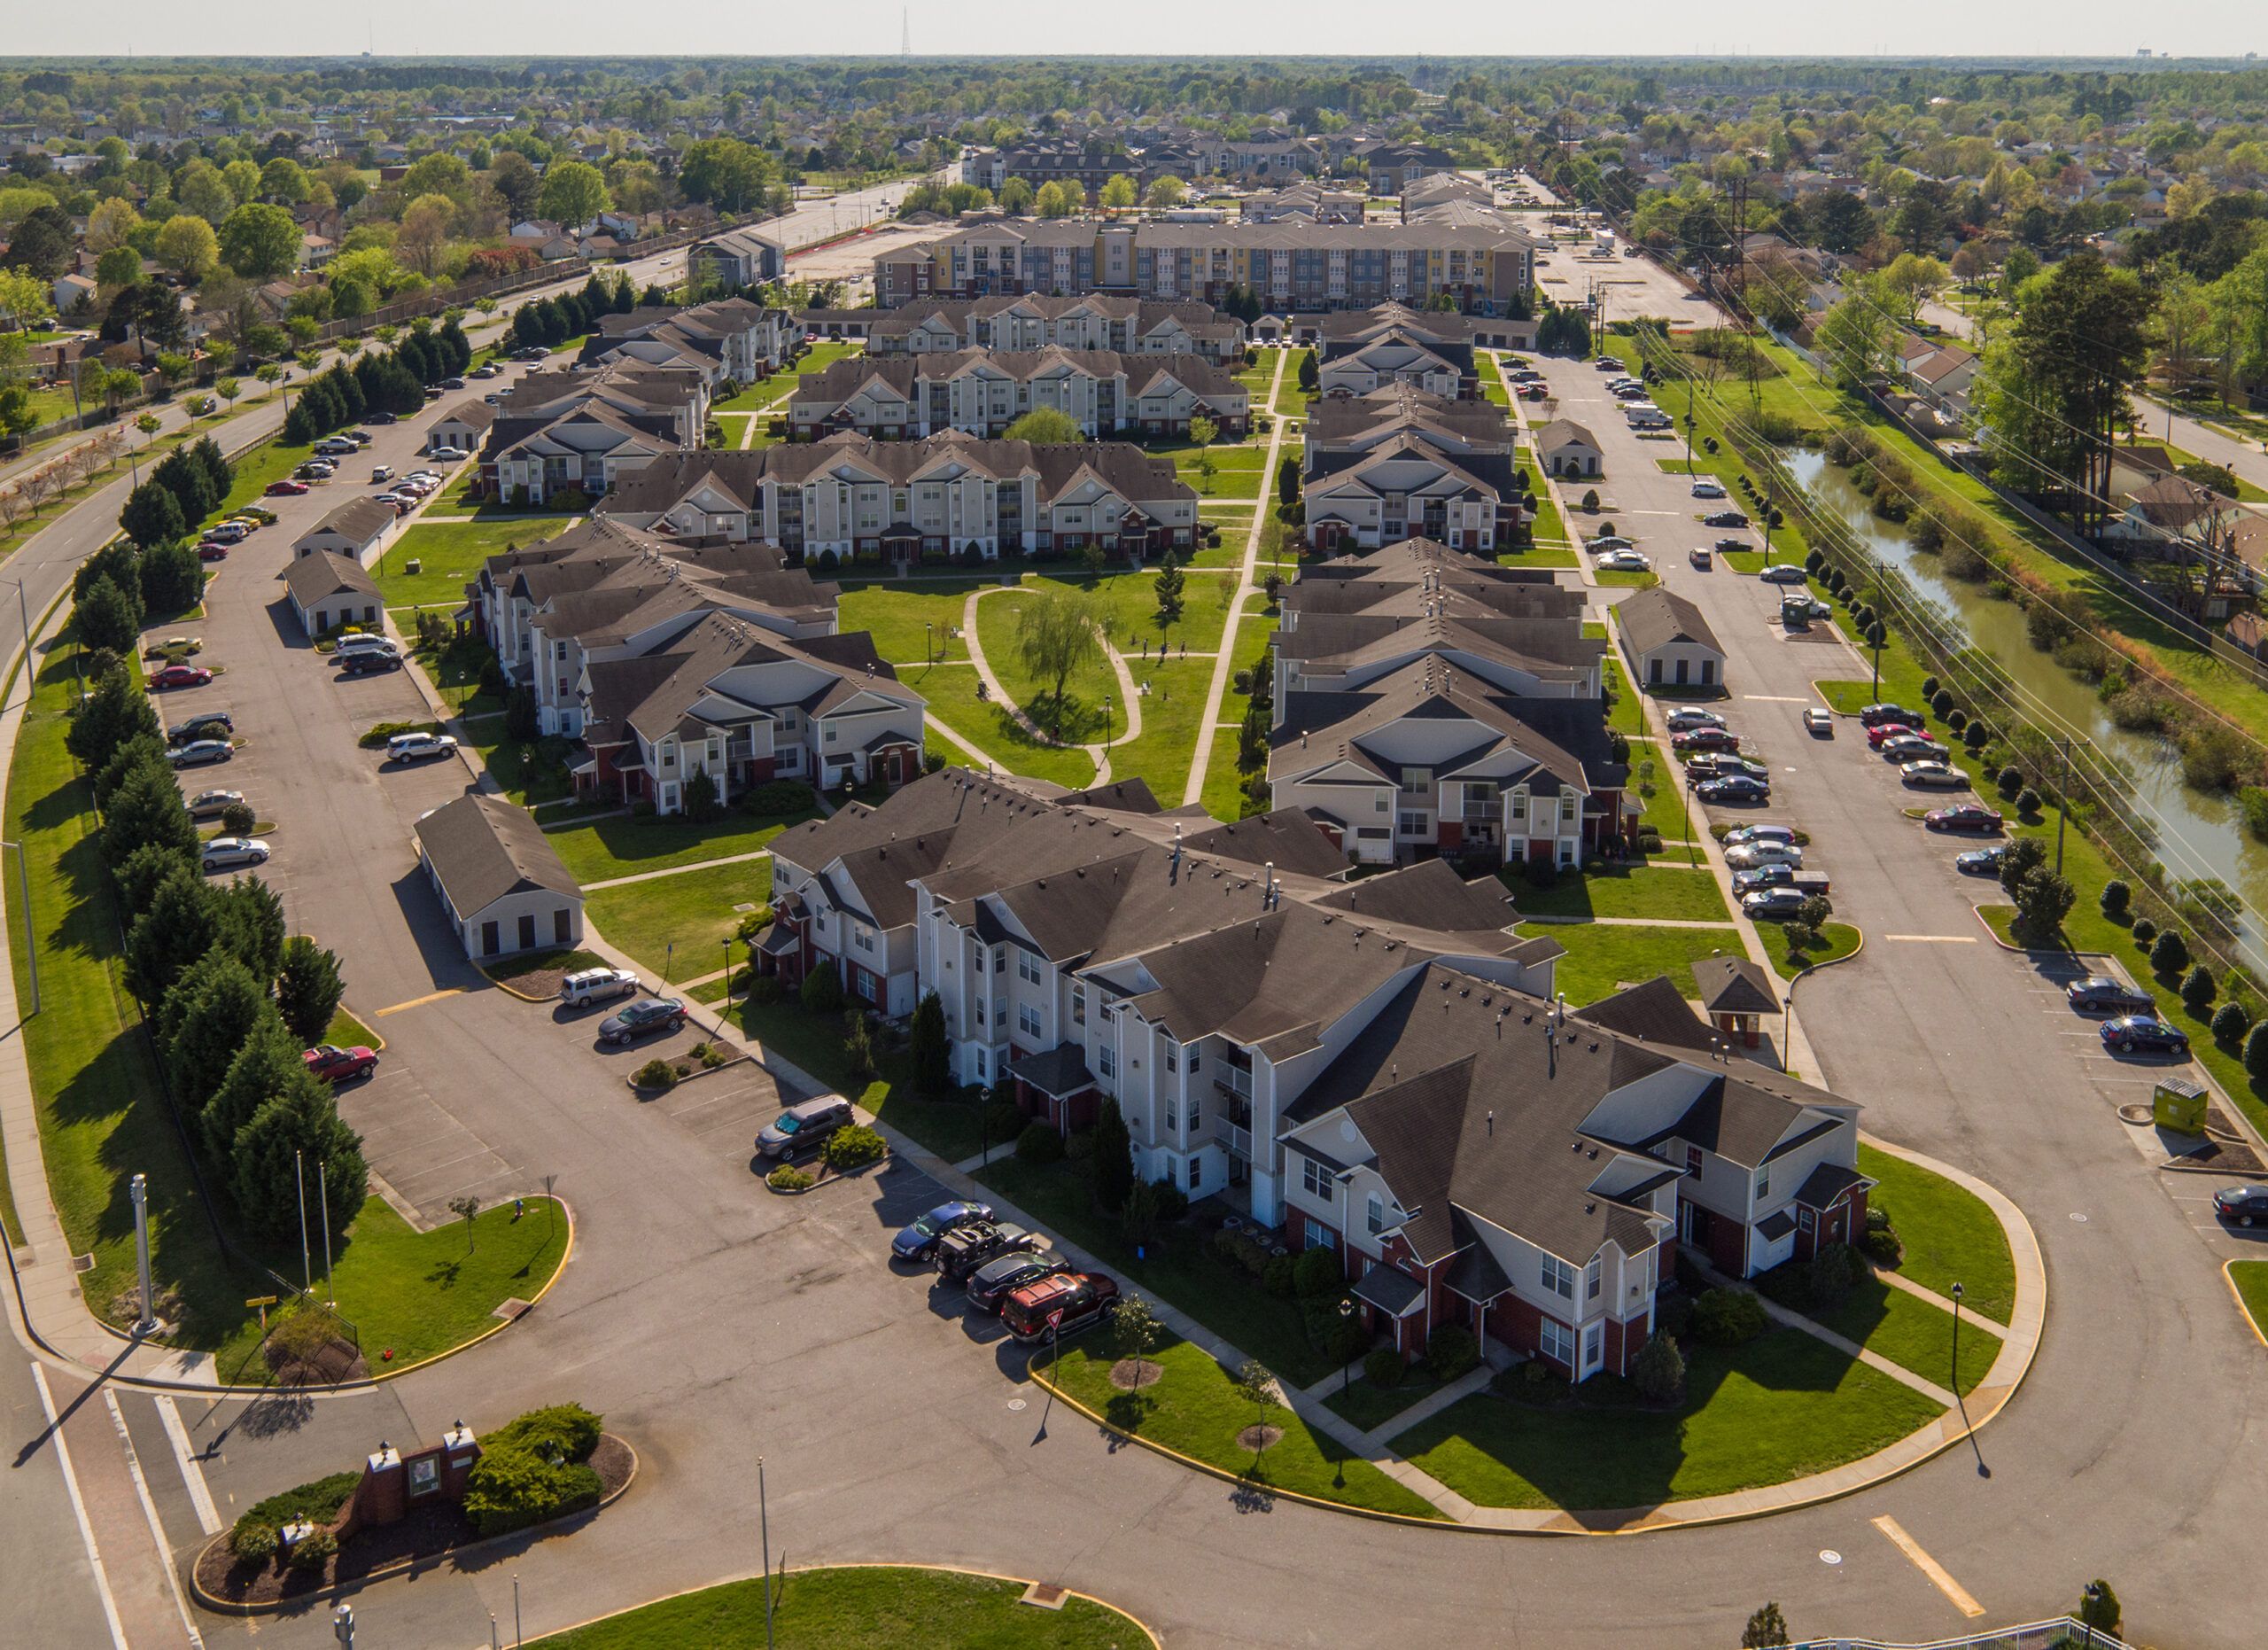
(688, 911)
(1623, 890)
(1602, 958)
(1951, 1235)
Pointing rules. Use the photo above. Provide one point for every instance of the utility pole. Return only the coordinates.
(140, 1188)
(2063, 803)
(764, 1517)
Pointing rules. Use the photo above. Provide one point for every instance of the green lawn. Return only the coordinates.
(860, 1608)
(628, 843)
(895, 615)
(1178, 1270)
(450, 554)
(1623, 890)
(1370, 1407)
(1949, 1234)
(1170, 714)
(418, 1294)
(1194, 1410)
(1627, 714)
(1600, 957)
(1784, 1407)
(1841, 939)
(691, 910)
(270, 461)
(1913, 1334)
(528, 771)
(2250, 1278)
(949, 1127)
(992, 726)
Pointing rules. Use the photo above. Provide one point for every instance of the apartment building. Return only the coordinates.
(1034, 321)
(586, 429)
(895, 502)
(1483, 268)
(735, 259)
(729, 338)
(984, 390)
(1402, 462)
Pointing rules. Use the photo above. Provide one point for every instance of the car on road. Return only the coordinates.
(587, 986)
(1725, 518)
(1003, 1276)
(966, 1250)
(369, 664)
(453, 383)
(532, 352)
(381, 472)
(2144, 1034)
(194, 727)
(1719, 764)
(1624, 562)
(1981, 861)
(1780, 877)
(1705, 739)
(286, 489)
(1749, 855)
(803, 1127)
(1609, 541)
(1784, 573)
(257, 515)
(181, 676)
(481, 372)
(1688, 717)
(334, 1064)
(360, 438)
(918, 1240)
(2099, 993)
(2242, 1205)
(1875, 715)
(1904, 747)
(211, 804)
(1932, 775)
(1061, 1305)
(381, 418)
(1963, 816)
(364, 641)
(1733, 546)
(1819, 720)
(1708, 489)
(209, 550)
(642, 1019)
(418, 747)
(1776, 905)
(228, 532)
(200, 753)
(1740, 834)
(1736, 787)
(223, 852)
(1699, 557)
(1881, 731)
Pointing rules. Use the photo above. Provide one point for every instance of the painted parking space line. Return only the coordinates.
(1776, 698)
(1929, 1566)
(415, 1002)
(1935, 939)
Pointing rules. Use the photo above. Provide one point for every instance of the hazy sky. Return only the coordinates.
(1158, 27)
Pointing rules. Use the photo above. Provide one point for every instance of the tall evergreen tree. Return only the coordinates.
(1113, 1158)
(112, 713)
(146, 810)
(207, 1016)
(298, 1140)
(175, 930)
(109, 616)
(309, 989)
(248, 924)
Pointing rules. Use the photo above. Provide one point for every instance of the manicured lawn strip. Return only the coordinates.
(1626, 715)
(348, 1031)
(1623, 890)
(1540, 554)
(691, 910)
(858, 1607)
(2251, 1279)
(1224, 793)
(1194, 1410)
(1912, 1334)
(1950, 1236)
(1240, 1312)
(1130, 602)
(417, 1294)
(1370, 1407)
(1600, 958)
(270, 461)
(1665, 811)
(527, 772)
(628, 843)
(895, 617)
(451, 553)
(1841, 939)
(992, 727)
(1548, 528)
(948, 1127)
(1784, 1407)
(1633, 580)
(1170, 714)
(1083, 693)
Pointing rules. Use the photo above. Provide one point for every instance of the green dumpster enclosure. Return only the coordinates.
(2179, 1105)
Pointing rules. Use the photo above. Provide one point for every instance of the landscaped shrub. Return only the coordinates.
(655, 1073)
(2027, 801)
(568, 1431)
(779, 796)
(787, 1178)
(2198, 990)
(2255, 1053)
(1451, 1352)
(1281, 1279)
(1384, 1368)
(1079, 1145)
(822, 990)
(512, 1486)
(1728, 1317)
(2145, 931)
(1003, 1121)
(312, 1552)
(2009, 781)
(1659, 1371)
(1039, 1143)
(1346, 1339)
(1674, 1313)
(1534, 1382)
(2171, 954)
(767, 989)
(1541, 873)
(1240, 1249)
(1317, 1273)
(2230, 1024)
(854, 1148)
(1929, 687)
(2116, 898)
(251, 1541)
(1834, 1270)
(1941, 701)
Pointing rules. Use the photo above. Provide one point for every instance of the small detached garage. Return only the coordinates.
(1667, 642)
(1566, 449)
(501, 884)
(353, 529)
(328, 590)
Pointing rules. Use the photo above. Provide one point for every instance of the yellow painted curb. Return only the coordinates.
(947, 1569)
(1810, 968)
(466, 1346)
(223, 1606)
(2243, 1310)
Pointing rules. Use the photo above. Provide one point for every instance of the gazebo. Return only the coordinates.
(1735, 995)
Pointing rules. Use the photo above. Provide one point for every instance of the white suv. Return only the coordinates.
(586, 986)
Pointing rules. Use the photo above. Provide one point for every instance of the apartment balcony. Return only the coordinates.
(1237, 1139)
(1483, 810)
(1233, 1079)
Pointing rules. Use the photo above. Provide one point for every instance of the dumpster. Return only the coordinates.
(2179, 1105)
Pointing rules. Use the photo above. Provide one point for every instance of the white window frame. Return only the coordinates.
(1374, 1214)
(1315, 1180)
(1558, 1278)
(1557, 1342)
(1026, 967)
(1106, 1061)
(1027, 1020)
(1591, 1276)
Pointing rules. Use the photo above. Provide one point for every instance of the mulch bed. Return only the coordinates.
(430, 1534)
(685, 1065)
(1259, 1439)
(1123, 1373)
(333, 1362)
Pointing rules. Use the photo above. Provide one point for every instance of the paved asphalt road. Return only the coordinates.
(714, 1324)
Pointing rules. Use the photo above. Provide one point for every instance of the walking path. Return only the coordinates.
(1098, 751)
(678, 870)
(1622, 922)
(1247, 588)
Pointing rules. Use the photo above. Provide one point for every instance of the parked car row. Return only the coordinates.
(1004, 1269)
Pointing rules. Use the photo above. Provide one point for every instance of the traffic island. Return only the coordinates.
(406, 1511)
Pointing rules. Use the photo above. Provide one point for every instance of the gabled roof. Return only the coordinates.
(1659, 617)
(326, 573)
(1735, 985)
(1564, 433)
(358, 521)
(483, 848)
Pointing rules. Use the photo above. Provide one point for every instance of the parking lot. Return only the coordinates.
(1569, 271)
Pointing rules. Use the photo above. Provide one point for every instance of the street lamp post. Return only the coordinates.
(1106, 719)
(1346, 1315)
(928, 644)
(1956, 1337)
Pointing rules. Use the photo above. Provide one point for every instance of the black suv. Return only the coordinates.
(964, 1251)
(211, 725)
(999, 1277)
(368, 661)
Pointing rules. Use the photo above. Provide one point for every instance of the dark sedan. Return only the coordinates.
(1725, 518)
(1705, 739)
(2241, 1204)
(211, 725)
(918, 1240)
(998, 1280)
(2099, 993)
(2143, 1034)
(1964, 816)
(660, 1014)
(1734, 788)
(1980, 862)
